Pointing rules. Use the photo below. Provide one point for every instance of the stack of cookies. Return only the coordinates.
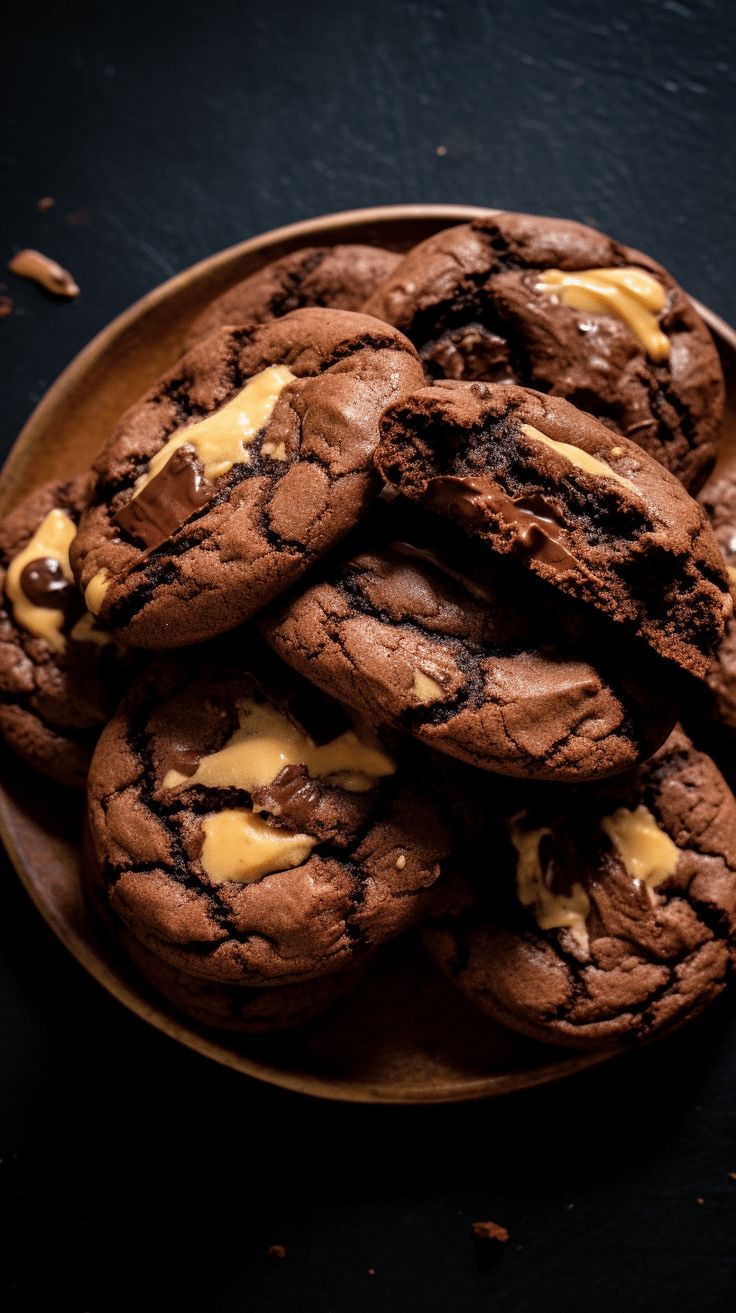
(385, 609)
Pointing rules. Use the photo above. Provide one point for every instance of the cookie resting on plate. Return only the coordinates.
(554, 305)
(475, 657)
(247, 831)
(334, 277)
(601, 915)
(249, 460)
(593, 514)
(716, 697)
(60, 672)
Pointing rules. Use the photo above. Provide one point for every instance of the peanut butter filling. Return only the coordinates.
(426, 689)
(551, 911)
(266, 741)
(221, 439)
(50, 543)
(577, 456)
(648, 854)
(238, 845)
(631, 295)
(86, 630)
(94, 593)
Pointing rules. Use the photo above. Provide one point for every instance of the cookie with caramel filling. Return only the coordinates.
(602, 915)
(545, 483)
(60, 672)
(249, 460)
(554, 305)
(715, 697)
(248, 831)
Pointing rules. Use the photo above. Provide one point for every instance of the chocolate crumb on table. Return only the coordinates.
(490, 1231)
(6, 307)
(276, 1253)
(46, 272)
(45, 203)
(489, 1239)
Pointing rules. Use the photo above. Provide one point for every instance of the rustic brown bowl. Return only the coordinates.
(405, 1036)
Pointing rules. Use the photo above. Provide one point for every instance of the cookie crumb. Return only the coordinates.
(44, 271)
(400, 862)
(6, 307)
(700, 1200)
(276, 1253)
(45, 203)
(371, 1271)
(732, 1176)
(490, 1232)
(441, 150)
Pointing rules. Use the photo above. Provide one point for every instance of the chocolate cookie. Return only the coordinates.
(477, 658)
(719, 499)
(606, 914)
(591, 513)
(336, 277)
(557, 306)
(243, 465)
(247, 831)
(60, 673)
(237, 1007)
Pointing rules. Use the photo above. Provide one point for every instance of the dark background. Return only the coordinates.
(141, 1177)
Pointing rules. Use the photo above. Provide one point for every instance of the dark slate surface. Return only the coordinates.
(137, 1175)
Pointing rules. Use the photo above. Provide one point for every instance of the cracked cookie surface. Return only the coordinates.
(719, 499)
(247, 1011)
(477, 659)
(498, 300)
(605, 915)
(591, 513)
(60, 674)
(242, 466)
(334, 277)
(247, 831)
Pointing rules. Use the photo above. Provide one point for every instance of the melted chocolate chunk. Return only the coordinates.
(167, 501)
(293, 795)
(560, 862)
(181, 759)
(471, 500)
(44, 583)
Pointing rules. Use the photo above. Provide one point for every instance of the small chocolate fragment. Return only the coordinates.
(6, 307)
(167, 501)
(276, 1253)
(45, 203)
(44, 271)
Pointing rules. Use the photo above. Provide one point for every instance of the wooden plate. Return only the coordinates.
(406, 1036)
